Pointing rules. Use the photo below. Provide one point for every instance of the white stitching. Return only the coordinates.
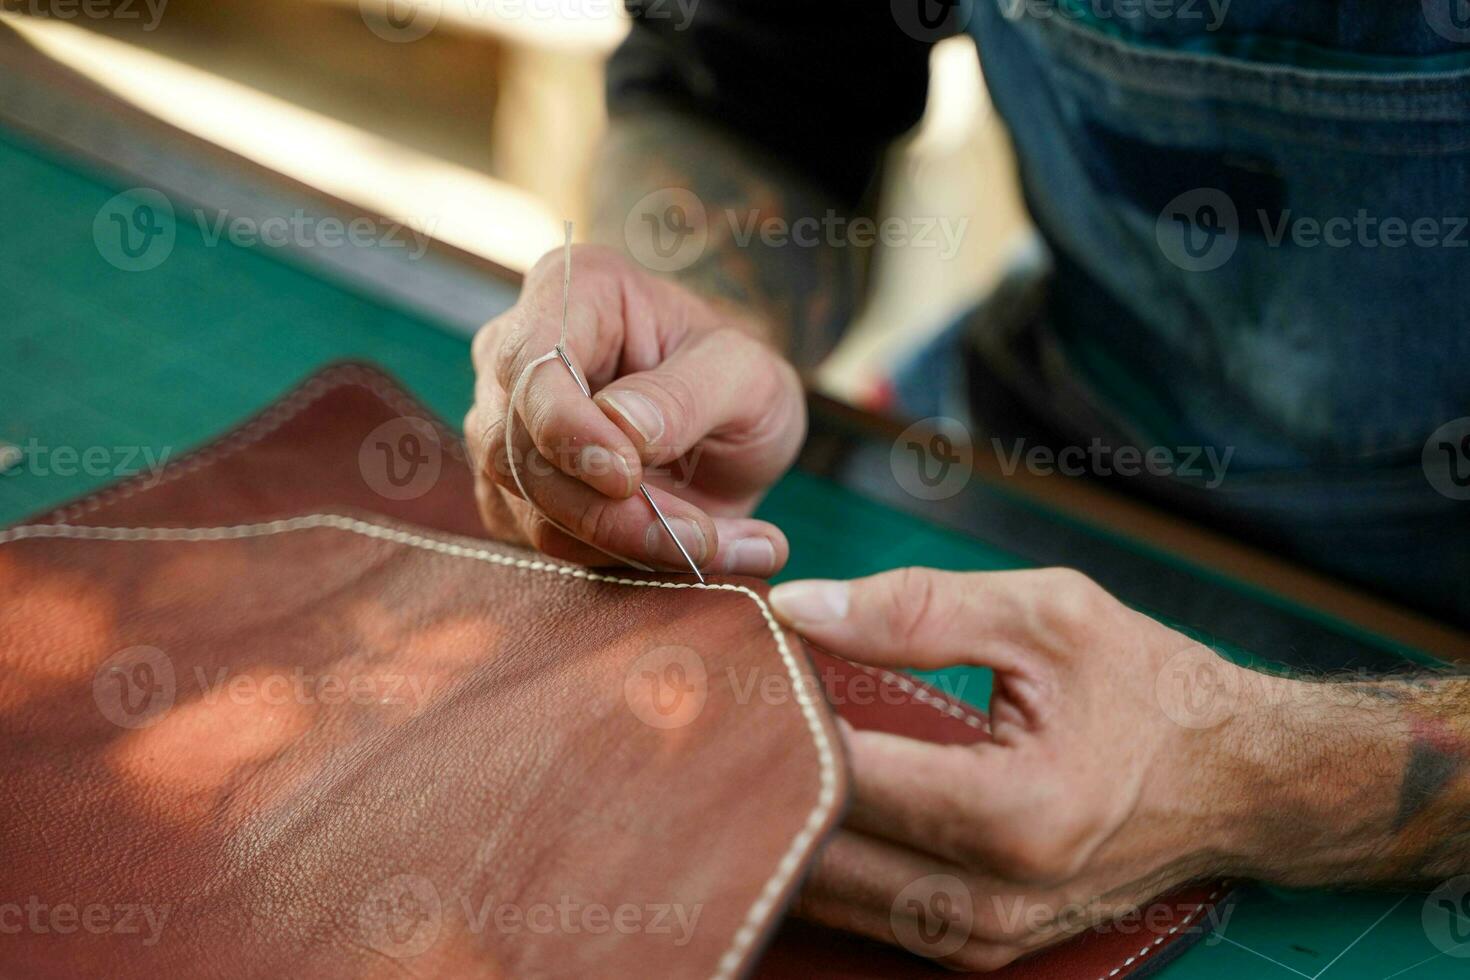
(352, 374)
(936, 700)
(1160, 940)
(790, 862)
(252, 432)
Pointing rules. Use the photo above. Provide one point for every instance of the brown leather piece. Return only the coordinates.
(509, 771)
(476, 750)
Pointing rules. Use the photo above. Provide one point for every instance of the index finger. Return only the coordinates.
(566, 427)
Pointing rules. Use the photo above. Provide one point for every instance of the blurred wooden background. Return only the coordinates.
(481, 130)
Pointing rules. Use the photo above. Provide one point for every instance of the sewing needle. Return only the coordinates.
(561, 352)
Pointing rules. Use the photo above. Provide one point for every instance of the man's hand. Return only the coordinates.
(1125, 759)
(686, 399)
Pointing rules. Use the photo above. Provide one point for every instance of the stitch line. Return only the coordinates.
(756, 916)
(937, 700)
(342, 376)
(1160, 940)
(377, 384)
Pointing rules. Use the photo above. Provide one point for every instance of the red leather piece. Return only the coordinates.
(312, 873)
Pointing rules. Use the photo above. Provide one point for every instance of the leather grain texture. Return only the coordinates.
(346, 736)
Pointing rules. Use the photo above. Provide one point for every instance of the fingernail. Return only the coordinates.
(656, 542)
(814, 602)
(751, 556)
(598, 461)
(639, 412)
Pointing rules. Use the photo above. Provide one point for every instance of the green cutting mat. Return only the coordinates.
(101, 362)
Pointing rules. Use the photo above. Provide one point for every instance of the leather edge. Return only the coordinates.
(295, 400)
(832, 794)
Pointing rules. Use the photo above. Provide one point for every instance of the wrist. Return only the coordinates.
(1311, 773)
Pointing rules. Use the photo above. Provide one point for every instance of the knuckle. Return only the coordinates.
(510, 353)
(912, 598)
(596, 522)
(540, 534)
(1069, 601)
(589, 262)
(486, 340)
(599, 260)
(677, 397)
(489, 453)
(1041, 852)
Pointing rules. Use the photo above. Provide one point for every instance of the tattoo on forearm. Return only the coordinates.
(805, 294)
(1431, 826)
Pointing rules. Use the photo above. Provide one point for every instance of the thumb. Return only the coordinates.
(722, 381)
(910, 617)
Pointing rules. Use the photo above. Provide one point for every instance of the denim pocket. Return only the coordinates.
(1279, 233)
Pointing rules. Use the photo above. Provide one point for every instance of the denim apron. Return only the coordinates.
(1257, 239)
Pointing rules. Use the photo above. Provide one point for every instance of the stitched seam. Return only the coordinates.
(729, 964)
(935, 699)
(1160, 940)
(252, 432)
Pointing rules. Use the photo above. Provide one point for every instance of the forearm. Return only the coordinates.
(1357, 783)
(771, 251)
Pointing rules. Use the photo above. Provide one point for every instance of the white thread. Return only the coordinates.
(765, 902)
(510, 458)
(558, 352)
(257, 429)
(353, 374)
(936, 700)
(1159, 940)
